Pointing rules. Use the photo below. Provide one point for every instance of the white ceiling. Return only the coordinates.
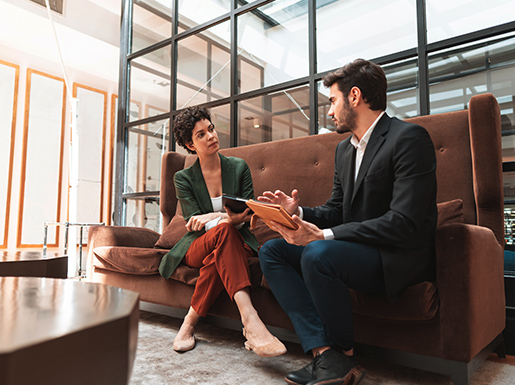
(88, 34)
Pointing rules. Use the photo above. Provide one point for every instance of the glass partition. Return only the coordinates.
(146, 145)
(347, 30)
(193, 13)
(487, 67)
(151, 23)
(402, 88)
(446, 19)
(150, 81)
(203, 66)
(273, 44)
(279, 115)
(144, 212)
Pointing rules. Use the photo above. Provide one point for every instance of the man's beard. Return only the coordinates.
(347, 119)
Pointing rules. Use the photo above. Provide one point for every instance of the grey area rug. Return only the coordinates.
(220, 358)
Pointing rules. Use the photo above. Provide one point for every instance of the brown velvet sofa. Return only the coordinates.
(447, 326)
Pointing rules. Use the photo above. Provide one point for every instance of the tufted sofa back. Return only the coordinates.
(468, 151)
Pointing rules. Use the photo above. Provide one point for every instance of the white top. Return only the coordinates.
(217, 208)
(362, 145)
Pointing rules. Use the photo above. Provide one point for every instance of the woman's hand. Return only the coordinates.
(236, 218)
(290, 204)
(197, 222)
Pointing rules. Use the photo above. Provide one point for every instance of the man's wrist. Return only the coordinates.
(328, 234)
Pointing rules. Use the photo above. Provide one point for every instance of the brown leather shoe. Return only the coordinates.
(334, 368)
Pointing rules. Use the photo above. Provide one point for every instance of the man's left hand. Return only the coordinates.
(306, 233)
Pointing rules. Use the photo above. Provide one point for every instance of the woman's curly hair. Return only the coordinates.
(185, 122)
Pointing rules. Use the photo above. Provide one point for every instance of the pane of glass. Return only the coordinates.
(273, 44)
(145, 147)
(193, 13)
(325, 124)
(150, 82)
(151, 23)
(144, 213)
(459, 74)
(446, 19)
(370, 32)
(402, 93)
(220, 116)
(203, 66)
(280, 115)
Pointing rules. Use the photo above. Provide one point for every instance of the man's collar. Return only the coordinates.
(354, 141)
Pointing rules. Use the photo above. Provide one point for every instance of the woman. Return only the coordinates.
(218, 243)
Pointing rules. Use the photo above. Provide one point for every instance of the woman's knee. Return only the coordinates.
(226, 230)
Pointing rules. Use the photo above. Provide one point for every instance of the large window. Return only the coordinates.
(258, 66)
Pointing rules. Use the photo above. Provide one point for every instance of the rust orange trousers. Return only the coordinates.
(222, 257)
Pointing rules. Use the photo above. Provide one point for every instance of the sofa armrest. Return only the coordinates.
(470, 281)
(118, 236)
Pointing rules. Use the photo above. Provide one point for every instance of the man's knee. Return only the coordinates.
(270, 250)
(313, 257)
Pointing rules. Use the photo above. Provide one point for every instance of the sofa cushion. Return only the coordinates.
(139, 261)
(175, 230)
(417, 303)
(450, 212)
(129, 260)
(262, 232)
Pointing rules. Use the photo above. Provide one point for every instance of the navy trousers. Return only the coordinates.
(311, 284)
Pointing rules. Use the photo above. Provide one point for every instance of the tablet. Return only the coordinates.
(235, 204)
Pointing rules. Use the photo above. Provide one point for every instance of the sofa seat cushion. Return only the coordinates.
(417, 303)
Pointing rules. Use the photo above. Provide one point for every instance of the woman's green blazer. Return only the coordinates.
(194, 198)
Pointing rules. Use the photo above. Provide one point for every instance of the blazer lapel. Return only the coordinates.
(348, 164)
(202, 192)
(228, 183)
(374, 144)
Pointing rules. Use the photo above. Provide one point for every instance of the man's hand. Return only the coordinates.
(290, 204)
(306, 233)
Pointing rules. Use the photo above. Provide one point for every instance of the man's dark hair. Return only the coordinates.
(365, 75)
(185, 122)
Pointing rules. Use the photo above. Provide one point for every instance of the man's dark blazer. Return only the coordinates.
(392, 204)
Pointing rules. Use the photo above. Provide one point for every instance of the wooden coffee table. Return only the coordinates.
(63, 331)
(33, 264)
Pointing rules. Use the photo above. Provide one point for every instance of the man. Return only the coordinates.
(374, 234)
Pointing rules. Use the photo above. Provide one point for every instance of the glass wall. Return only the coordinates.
(258, 66)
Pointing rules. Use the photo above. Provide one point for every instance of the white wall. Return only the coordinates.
(88, 33)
